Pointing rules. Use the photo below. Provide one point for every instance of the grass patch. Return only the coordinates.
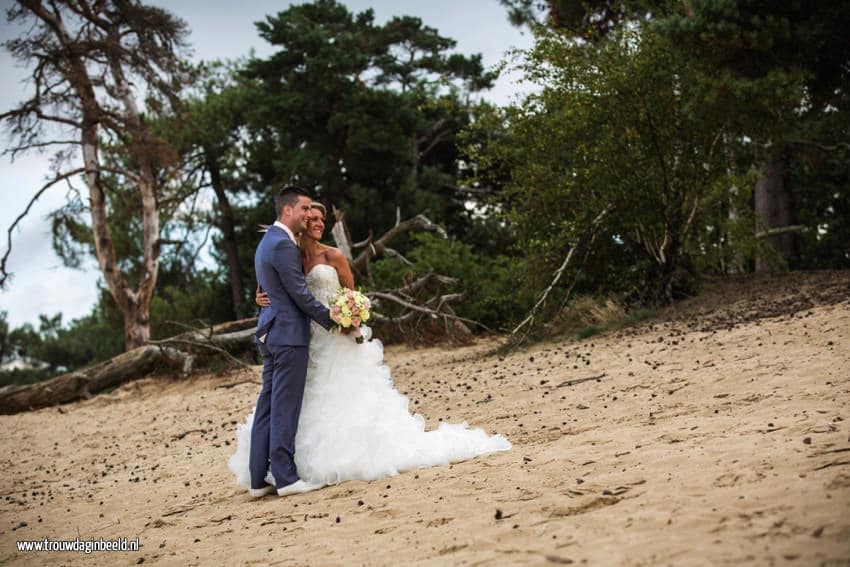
(583, 317)
(589, 331)
(630, 319)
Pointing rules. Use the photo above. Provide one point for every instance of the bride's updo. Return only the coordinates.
(320, 207)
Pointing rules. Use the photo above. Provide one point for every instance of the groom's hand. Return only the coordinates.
(261, 298)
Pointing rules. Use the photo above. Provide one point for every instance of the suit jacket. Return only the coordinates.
(286, 322)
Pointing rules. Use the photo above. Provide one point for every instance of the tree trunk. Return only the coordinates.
(228, 234)
(774, 208)
(137, 316)
(137, 325)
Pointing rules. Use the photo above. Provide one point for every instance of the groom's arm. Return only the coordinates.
(288, 266)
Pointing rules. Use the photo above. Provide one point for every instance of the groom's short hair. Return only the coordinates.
(288, 196)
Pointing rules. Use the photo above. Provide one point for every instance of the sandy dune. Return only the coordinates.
(716, 434)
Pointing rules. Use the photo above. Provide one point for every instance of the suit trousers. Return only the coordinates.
(276, 415)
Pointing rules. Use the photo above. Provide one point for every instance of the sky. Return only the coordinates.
(220, 29)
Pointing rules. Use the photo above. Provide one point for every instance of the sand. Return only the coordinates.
(715, 434)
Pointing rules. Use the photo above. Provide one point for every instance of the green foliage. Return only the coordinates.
(54, 348)
(5, 343)
(778, 73)
(589, 19)
(820, 184)
(200, 302)
(617, 126)
(364, 113)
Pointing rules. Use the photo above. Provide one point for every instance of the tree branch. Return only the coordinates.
(417, 284)
(426, 310)
(780, 230)
(14, 151)
(4, 275)
(400, 227)
(831, 148)
(558, 273)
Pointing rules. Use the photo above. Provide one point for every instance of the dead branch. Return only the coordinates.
(433, 313)
(419, 283)
(380, 318)
(820, 146)
(3, 274)
(578, 381)
(199, 345)
(780, 230)
(381, 245)
(435, 308)
(559, 272)
(397, 255)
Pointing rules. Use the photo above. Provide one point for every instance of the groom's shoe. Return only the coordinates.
(297, 487)
(259, 492)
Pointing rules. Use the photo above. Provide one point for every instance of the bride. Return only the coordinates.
(354, 425)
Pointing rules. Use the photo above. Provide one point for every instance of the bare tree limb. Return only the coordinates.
(392, 253)
(558, 273)
(780, 230)
(4, 275)
(381, 245)
(15, 150)
(823, 147)
(417, 284)
(426, 310)
(199, 344)
(363, 243)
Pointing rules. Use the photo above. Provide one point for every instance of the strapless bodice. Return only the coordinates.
(323, 282)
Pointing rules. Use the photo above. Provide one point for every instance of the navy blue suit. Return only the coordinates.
(285, 327)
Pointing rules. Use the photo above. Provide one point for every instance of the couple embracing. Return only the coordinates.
(327, 411)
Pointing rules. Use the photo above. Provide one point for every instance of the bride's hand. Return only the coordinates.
(262, 298)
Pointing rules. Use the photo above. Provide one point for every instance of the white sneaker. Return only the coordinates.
(297, 487)
(259, 492)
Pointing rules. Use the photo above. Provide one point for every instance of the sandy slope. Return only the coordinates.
(718, 434)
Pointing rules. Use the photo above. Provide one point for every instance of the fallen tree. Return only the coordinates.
(180, 352)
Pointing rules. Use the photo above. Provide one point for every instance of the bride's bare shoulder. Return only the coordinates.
(332, 253)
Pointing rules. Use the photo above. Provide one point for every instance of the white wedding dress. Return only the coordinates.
(354, 424)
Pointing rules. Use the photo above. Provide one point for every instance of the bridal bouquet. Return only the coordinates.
(350, 309)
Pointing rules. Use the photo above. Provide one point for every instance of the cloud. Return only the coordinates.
(41, 284)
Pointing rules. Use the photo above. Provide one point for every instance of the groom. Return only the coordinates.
(283, 337)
